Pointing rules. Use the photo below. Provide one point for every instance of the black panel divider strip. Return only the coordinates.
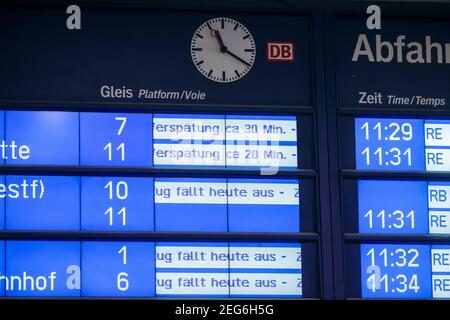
(321, 139)
(391, 8)
(385, 174)
(334, 187)
(406, 112)
(112, 106)
(159, 236)
(148, 171)
(170, 7)
(397, 8)
(401, 238)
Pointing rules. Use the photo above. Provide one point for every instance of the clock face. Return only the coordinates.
(223, 50)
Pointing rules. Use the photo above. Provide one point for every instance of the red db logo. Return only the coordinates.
(280, 51)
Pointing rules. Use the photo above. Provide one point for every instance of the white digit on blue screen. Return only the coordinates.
(405, 128)
(123, 121)
(122, 277)
(122, 212)
(121, 190)
(120, 148)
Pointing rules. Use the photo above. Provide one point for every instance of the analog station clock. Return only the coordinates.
(223, 50)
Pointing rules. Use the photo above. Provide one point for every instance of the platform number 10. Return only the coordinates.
(117, 191)
(122, 277)
(120, 149)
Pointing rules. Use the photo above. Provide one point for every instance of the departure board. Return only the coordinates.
(150, 204)
(394, 157)
(155, 164)
(159, 153)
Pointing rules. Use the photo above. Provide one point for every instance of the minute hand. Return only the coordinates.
(238, 58)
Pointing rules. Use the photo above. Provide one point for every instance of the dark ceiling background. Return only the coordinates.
(257, 5)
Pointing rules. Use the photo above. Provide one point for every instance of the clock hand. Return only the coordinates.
(238, 58)
(216, 34)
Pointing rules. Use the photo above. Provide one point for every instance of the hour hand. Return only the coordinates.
(216, 34)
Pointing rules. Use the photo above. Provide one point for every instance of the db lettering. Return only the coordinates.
(280, 51)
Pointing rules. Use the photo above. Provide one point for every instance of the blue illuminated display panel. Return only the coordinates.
(42, 268)
(402, 144)
(147, 269)
(389, 144)
(118, 269)
(395, 271)
(404, 207)
(2, 267)
(408, 271)
(116, 139)
(117, 203)
(41, 137)
(235, 205)
(151, 204)
(259, 205)
(392, 206)
(138, 269)
(190, 204)
(42, 203)
(146, 140)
